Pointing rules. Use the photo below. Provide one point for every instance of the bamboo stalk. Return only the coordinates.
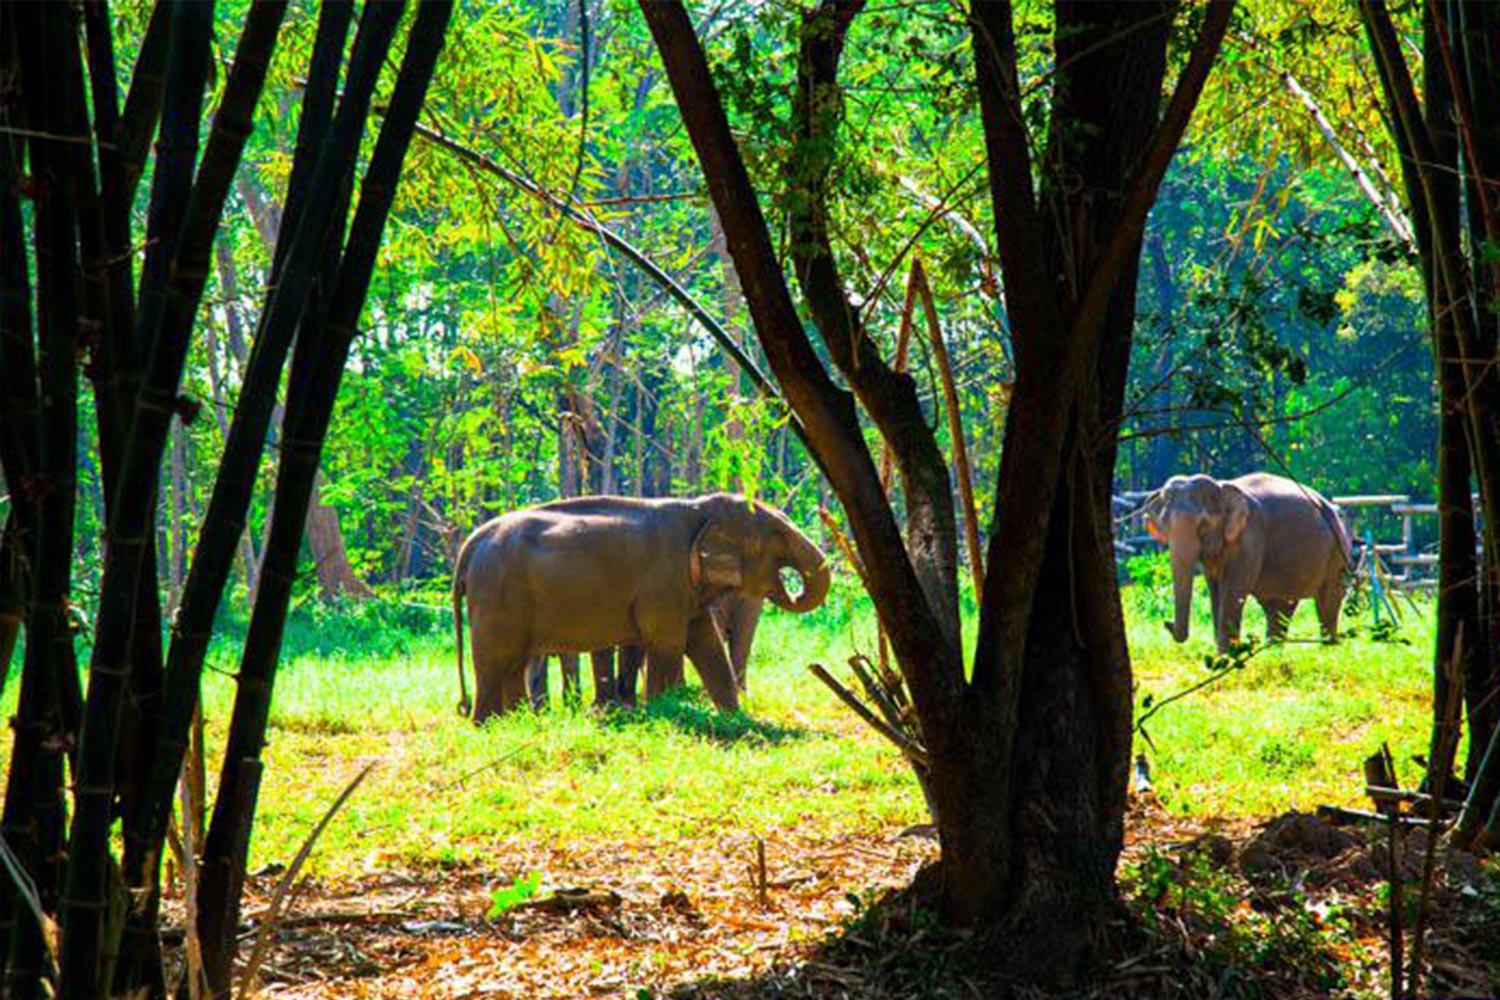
(130, 516)
(311, 396)
(224, 522)
(915, 753)
(33, 819)
(955, 426)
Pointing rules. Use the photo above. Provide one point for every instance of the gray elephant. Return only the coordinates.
(1259, 535)
(594, 572)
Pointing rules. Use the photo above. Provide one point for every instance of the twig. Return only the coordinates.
(760, 871)
(1440, 759)
(27, 888)
(877, 692)
(486, 766)
(1381, 772)
(284, 887)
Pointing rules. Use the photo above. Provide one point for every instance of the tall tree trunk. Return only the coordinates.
(1028, 760)
(1466, 333)
(325, 539)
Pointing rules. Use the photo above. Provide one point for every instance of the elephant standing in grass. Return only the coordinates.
(1259, 535)
(595, 572)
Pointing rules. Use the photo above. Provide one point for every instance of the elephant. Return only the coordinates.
(736, 616)
(590, 573)
(1259, 535)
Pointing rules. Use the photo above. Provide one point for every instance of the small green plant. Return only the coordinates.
(508, 897)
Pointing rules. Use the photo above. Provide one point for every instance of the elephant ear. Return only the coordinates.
(714, 559)
(1236, 512)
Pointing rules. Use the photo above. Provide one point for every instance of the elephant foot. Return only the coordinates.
(1172, 631)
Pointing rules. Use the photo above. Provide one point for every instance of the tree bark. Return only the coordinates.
(1466, 332)
(1028, 761)
(325, 539)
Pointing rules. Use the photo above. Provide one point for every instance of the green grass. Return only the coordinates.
(377, 683)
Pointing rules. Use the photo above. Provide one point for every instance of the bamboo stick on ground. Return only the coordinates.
(915, 753)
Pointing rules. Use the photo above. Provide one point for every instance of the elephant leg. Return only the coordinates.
(1235, 584)
(536, 683)
(1330, 601)
(603, 662)
(663, 671)
(500, 669)
(740, 636)
(632, 658)
(705, 647)
(501, 687)
(1278, 616)
(571, 680)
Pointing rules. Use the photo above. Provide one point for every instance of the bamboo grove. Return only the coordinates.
(85, 918)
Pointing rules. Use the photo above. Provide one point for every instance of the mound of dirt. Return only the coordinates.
(1300, 848)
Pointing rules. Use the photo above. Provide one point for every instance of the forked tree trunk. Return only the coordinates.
(1028, 760)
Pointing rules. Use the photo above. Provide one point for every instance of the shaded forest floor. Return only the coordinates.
(1289, 908)
(626, 846)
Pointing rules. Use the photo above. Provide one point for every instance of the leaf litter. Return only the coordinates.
(1288, 907)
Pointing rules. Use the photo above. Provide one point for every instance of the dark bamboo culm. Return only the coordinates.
(224, 520)
(311, 395)
(33, 820)
(182, 221)
(131, 514)
(146, 828)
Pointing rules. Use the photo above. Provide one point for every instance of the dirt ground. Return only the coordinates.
(707, 920)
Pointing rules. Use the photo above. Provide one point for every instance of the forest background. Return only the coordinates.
(511, 356)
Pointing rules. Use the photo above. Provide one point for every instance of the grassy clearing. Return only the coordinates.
(377, 683)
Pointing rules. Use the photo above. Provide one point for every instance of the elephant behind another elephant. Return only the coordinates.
(591, 573)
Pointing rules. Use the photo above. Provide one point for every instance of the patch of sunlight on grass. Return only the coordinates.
(1290, 729)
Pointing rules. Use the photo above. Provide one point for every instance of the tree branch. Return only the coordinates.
(931, 665)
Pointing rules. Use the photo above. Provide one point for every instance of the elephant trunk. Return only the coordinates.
(1184, 547)
(810, 563)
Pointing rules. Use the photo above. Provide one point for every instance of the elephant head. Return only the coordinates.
(744, 545)
(1201, 520)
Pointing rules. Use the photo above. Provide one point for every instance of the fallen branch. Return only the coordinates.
(1340, 814)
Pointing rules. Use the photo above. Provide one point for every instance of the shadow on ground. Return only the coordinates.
(690, 711)
(1283, 913)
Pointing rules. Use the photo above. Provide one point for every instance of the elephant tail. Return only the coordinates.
(460, 569)
(1341, 536)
